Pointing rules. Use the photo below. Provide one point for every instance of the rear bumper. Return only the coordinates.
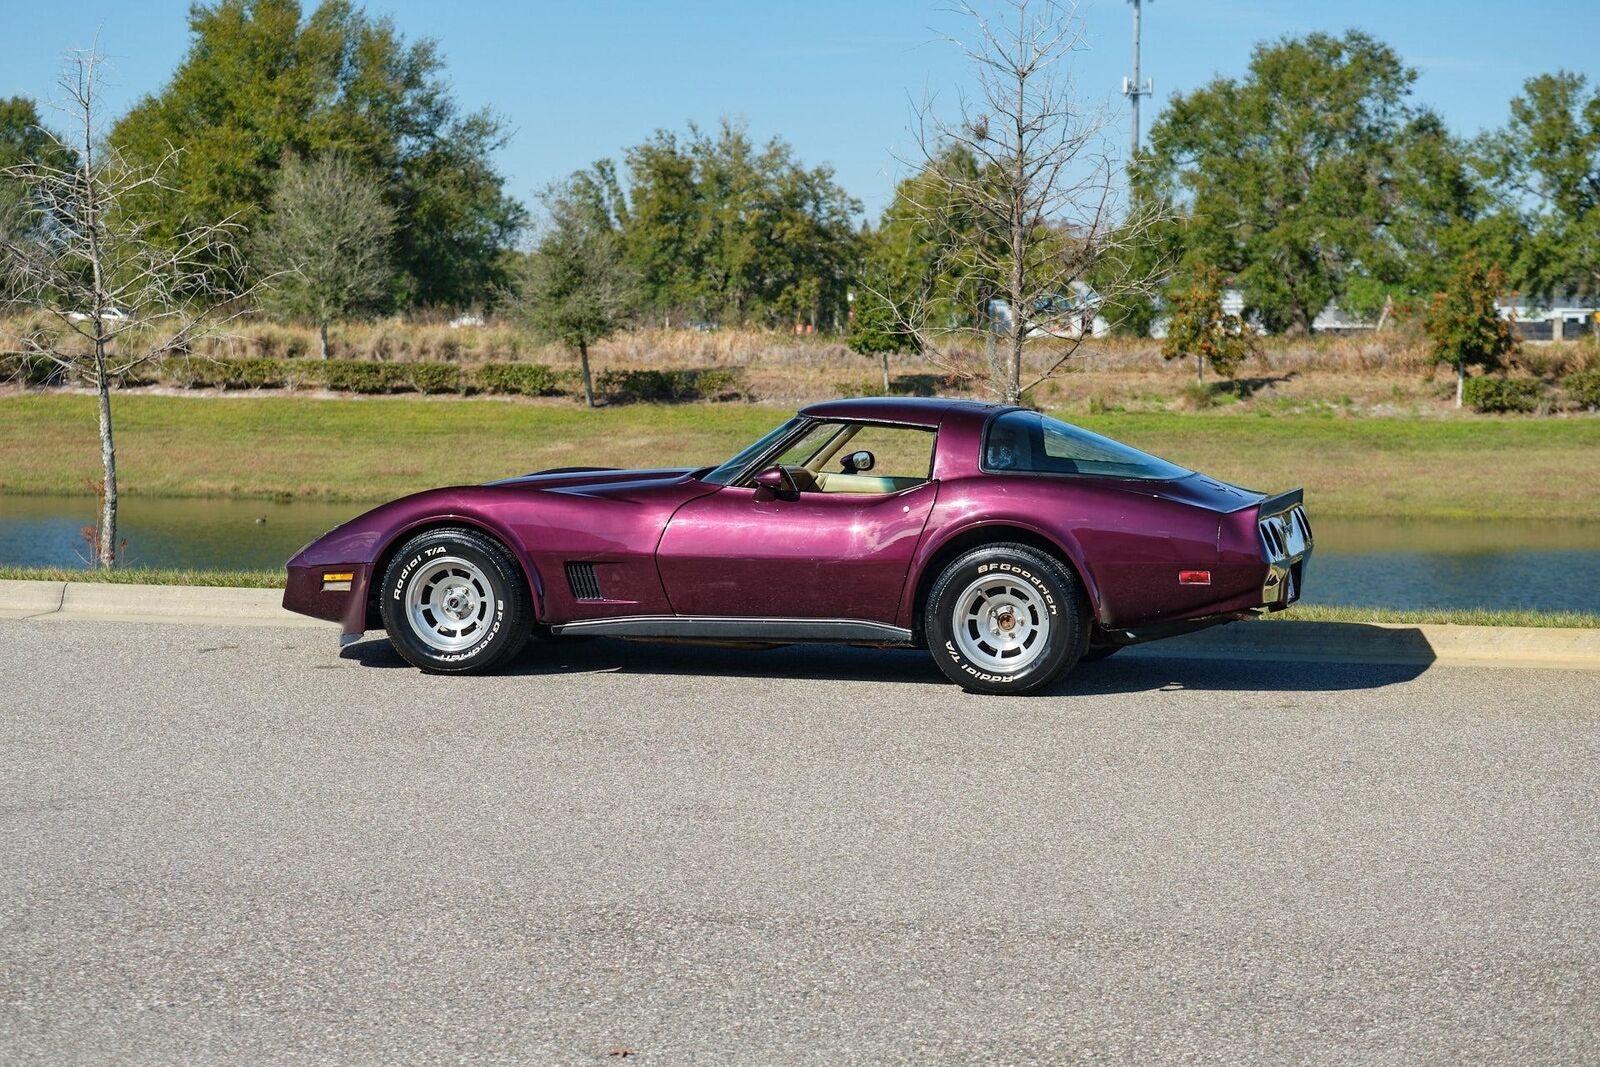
(307, 592)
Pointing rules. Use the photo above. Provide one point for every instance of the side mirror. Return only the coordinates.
(774, 482)
(857, 462)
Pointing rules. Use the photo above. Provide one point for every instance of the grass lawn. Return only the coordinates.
(1299, 613)
(381, 447)
(143, 576)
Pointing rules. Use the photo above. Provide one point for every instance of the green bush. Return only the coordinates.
(1494, 394)
(24, 369)
(198, 372)
(525, 379)
(640, 386)
(363, 376)
(721, 384)
(1583, 388)
(435, 377)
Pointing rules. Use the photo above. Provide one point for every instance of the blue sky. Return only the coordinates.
(582, 79)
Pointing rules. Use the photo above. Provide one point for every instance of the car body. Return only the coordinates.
(760, 550)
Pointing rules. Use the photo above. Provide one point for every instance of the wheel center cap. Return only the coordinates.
(1006, 620)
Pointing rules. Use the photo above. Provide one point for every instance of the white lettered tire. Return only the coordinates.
(454, 602)
(1006, 618)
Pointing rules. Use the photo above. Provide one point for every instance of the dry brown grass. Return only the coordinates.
(1389, 374)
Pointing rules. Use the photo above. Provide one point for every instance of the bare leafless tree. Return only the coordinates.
(122, 297)
(327, 246)
(1022, 188)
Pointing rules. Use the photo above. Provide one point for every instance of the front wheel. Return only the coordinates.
(1006, 618)
(454, 602)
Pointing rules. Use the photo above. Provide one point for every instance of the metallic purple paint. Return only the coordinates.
(664, 543)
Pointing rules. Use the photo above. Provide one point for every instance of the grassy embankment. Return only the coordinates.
(381, 447)
(1301, 613)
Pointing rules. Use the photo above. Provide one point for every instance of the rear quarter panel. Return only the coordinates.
(1126, 539)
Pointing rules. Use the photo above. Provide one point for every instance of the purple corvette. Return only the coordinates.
(1007, 543)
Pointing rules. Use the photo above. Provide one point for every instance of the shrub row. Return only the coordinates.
(370, 377)
(642, 386)
(1491, 393)
(1583, 389)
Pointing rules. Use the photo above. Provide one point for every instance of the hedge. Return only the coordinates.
(435, 377)
(364, 376)
(373, 376)
(524, 379)
(25, 369)
(1583, 388)
(197, 372)
(1490, 393)
(635, 386)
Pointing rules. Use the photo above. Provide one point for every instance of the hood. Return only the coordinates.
(581, 477)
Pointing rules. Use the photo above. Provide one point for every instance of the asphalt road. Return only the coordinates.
(237, 846)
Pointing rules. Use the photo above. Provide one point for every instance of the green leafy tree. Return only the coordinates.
(325, 247)
(1199, 327)
(1546, 167)
(24, 143)
(1288, 174)
(263, 82)
(1463, 324)
(719, 228)
(575, 287)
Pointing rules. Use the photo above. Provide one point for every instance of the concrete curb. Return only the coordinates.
(1383, 642)
(1344, 642)
(108, 602)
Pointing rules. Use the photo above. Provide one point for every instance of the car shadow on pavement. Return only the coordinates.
(1128, 672)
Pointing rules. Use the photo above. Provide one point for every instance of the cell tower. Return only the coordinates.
(1133, 89)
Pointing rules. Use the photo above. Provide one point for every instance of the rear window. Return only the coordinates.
(1028, 442)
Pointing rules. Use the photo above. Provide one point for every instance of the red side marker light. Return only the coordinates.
(1194, 577)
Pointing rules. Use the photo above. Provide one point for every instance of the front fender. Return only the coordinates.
(362, 547)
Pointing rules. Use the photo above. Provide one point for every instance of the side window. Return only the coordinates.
(902, 456)
(828, 458)
(1028, 441)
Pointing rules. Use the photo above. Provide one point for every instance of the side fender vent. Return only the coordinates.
(585, 585)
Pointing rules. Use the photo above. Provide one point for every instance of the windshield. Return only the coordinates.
(725, 474)
(1027, 442)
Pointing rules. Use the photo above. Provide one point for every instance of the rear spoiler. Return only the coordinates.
(1277, 505)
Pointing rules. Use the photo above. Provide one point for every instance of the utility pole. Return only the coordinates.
(1133, 89)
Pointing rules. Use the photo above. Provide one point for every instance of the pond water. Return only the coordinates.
(1544, 566)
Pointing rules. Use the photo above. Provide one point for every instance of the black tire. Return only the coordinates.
(1038, 593)
(449, 570)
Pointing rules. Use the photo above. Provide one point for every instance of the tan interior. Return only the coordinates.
(863, 483)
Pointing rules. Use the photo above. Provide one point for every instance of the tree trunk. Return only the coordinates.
(885, 357)
(1014, 365)
(1199, 370)
(106, 548)
(322, 338)
(1461, 382)
(588, 382)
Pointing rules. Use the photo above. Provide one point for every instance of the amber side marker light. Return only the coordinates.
(337, 581)
(1194, 577)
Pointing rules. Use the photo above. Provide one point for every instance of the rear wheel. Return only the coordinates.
(454, 602)
(1006, 618)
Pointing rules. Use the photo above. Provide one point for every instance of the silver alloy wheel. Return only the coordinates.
(449, 603)
(1001, 623)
